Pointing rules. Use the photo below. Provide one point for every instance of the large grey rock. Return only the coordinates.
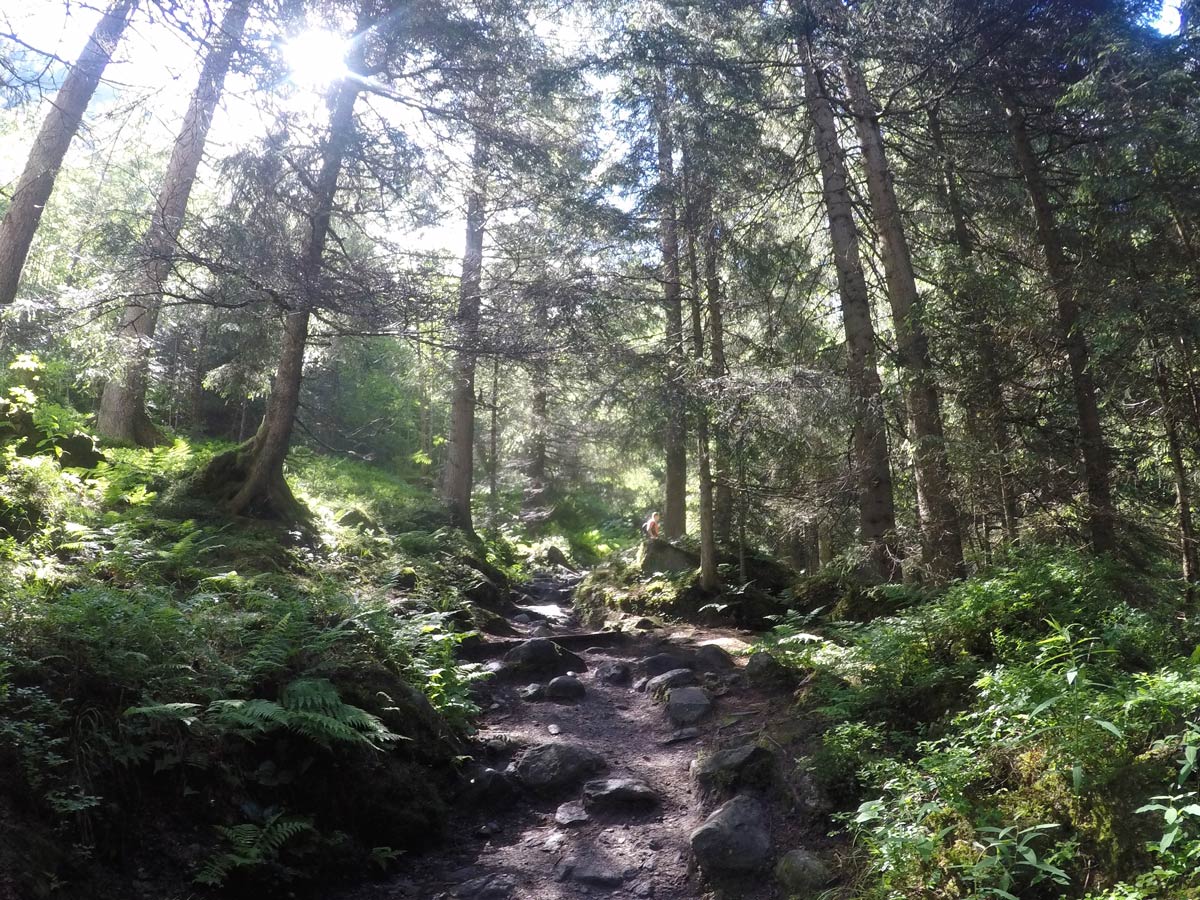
(735, 838)
(765, 670)
(680, 735)
(663, 556)
(664, 662)
(486, 788)
(668, 680)
(532, 692)
(571, 813)
(593, 870)
(614, 673)
(487, 887)
(713, 658)
(726, 771)
(543, 657)
(617, 792)
(565, 687)
(555, 768)
(688, 705)
(802, 874)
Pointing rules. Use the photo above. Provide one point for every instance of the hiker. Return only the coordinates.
(650, 527)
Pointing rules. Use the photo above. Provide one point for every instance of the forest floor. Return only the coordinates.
(518, 851)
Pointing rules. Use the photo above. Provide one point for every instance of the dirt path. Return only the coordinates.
(513, 849)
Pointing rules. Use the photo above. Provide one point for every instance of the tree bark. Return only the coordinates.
(675, 440)
(941, 532)
(1096, 465)
(494, 443)
(249, 480)
(722, 476)
(50, 146)
(708, 543)
(458, 477)
(122, 416)
(536, 450)
(877, 514)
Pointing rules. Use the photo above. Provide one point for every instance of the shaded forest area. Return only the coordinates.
(325, 325)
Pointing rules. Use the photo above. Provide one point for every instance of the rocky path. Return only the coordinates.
(643, 766)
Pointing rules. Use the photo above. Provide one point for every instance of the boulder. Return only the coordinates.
(664, 662)
(680, 735)
(667, 680)
(663, 556)
(487, 887)
(542, 631)
(614, 673)
(764, 670)
(802, 875)
(532, 692)
(735, 838)
(490, 623)
(571, 813)
(590, 869)
(356, 518)
(556, 768)
(543, 657)
(726, 771)
(688, 705)
(713, 658)
(565, 687)
(618, 792)
(404, 579)
(486, 788)
(79, 451)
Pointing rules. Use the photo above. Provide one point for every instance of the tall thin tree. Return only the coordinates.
(872, 466)
(122, 415)
(50, 146)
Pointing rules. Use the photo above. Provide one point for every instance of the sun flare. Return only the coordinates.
(316, 57)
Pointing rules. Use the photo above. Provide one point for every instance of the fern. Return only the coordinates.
(310, 707)
(249, 845)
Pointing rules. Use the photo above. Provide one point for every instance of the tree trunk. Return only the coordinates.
(1097, 470)
(122, 415)
(249, 480)
(458, 477)
(722, 477)
(536, 451)
(941, 533)
(993, 414)
(708, 543)
(494, 443)
(1170, 415)
(877, 514)
(675, 509)
(50, 147)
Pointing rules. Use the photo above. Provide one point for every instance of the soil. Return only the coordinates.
(529, 855)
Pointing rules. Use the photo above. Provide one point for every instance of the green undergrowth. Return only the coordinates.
(220, 706)
(1029, 733)
(633, 583)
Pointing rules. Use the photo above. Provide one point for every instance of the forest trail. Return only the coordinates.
(519, 843)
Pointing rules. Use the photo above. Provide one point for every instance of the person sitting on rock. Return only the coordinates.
(650, 527)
